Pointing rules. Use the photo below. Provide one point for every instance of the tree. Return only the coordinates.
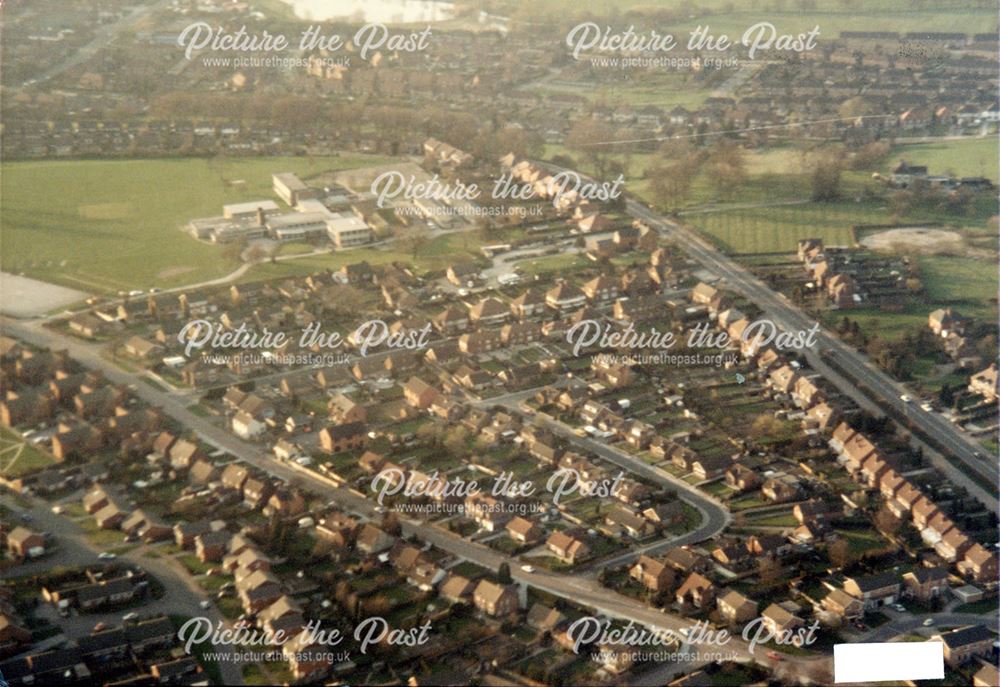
(503, 574)
(768, 569)
(839, 553)
(886, 522)
(826, 178)
(947, 395)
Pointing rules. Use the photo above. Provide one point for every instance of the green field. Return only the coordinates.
(966, 158)
(777, 229)
(733, 18)
(104, 226)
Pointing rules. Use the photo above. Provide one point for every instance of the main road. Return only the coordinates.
(579, 589)
(851, 372)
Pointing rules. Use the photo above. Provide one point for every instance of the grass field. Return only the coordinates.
(966, 158)
(107, 225)
(831, 17)
(777, 229)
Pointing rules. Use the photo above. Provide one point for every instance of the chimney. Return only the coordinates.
(260, 216)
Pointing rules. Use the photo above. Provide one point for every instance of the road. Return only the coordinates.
(851, 372)
(902, 624)
(181, 593)
(582, 590)
(714, 515)
(873, 388)
(102, 38)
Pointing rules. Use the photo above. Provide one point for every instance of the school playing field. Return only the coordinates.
(108, 225)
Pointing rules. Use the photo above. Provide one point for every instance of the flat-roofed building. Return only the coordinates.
(346, 230)
(297, 226)
(249, 210)
(290, 188)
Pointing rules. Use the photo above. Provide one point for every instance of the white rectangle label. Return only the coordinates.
(888, 661)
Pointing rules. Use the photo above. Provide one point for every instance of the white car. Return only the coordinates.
(106, 556)
(528, 568)
(129, 617)
(205, 604)
(928, 622)
(57, 509)
(927, 406)
(905, 398)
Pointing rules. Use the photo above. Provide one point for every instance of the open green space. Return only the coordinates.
(17, 457)
(971, 157)
(108, 225)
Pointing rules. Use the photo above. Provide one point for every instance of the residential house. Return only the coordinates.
(652, 574)
(926, 583)
(495, 600)
(843, 605)
(736, 608)
(965, 643)
(696, 591)
(567, 547)
(874, 590)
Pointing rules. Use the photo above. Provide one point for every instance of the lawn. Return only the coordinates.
(17, 457)
(107, 225)
(970, 280)
(862, 541)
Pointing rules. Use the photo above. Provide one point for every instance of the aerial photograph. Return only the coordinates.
(501, 343)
